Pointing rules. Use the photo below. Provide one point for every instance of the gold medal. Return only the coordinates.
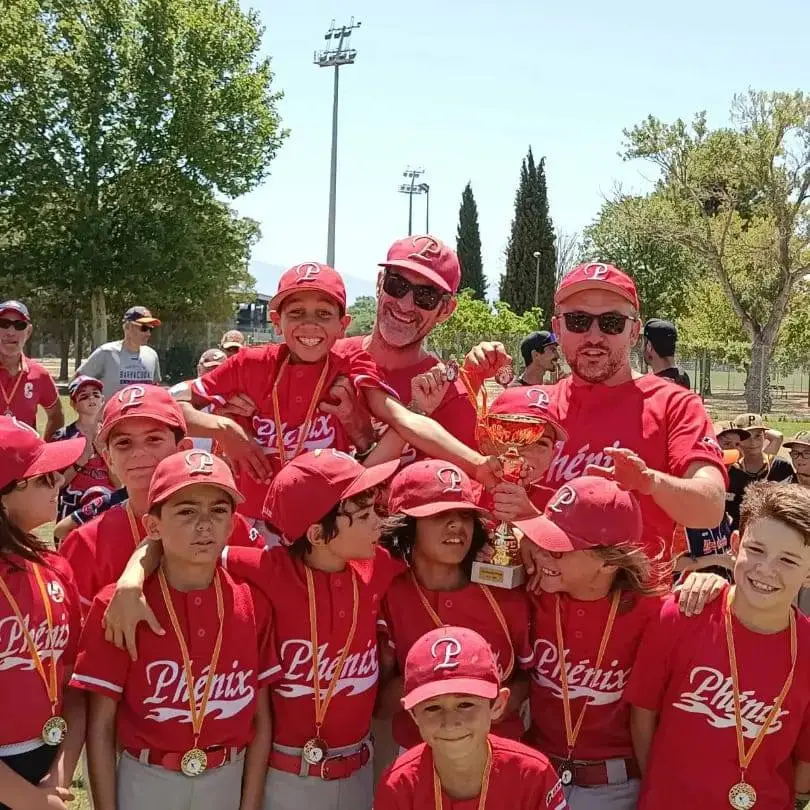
(315, 751)
(54, 731)
(504, 375)
(566, 772)
(194, 762)
(742, 796)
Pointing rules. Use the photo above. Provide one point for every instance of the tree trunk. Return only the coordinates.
(79, 340)
(64, 349)
(758, 382)
(98, 316)
(706, 375)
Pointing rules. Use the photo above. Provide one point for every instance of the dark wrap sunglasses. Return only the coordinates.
(610, 323)
(6, 323)
(425, 296)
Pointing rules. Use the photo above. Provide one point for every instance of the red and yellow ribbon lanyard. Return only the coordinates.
(496, 609)
(55, 728)
(482, 798)
(195, 760)
(307, 423)
(9, 397)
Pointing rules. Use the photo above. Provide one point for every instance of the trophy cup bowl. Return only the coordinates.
(503, 435)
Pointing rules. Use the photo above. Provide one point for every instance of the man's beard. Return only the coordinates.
(595, 372)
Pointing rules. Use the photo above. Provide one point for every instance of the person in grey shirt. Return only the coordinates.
(128, 361)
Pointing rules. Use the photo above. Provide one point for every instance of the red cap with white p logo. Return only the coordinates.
(597, 275)
(187, 468)
(431, 487)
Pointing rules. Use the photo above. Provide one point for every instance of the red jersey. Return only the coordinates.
(664, 424)
(253, 372)
(152, 692)
(281, 577)
(682, 672)
(455, 413)
(26, 391)
(605, 732)
(520, 779)
(405, 620)
(99, 550)
(24, 704)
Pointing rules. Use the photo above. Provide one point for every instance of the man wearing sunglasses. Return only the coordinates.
(24, 384)
(541, 356)
(652, 437)
(128, 361)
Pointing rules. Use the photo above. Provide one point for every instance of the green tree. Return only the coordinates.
(123, 127)
(739, 198)
(363, 312)
(468, 246)
(532, 232)
(625, 235)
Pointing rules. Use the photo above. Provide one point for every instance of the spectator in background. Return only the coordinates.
(758, 463)
(799, 447)
(660, 341)
(232, 341)
(209, 360)
(541, 356)
(128, 361)
(24, 384)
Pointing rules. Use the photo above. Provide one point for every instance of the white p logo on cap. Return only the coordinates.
(451, 478)
(596, 271)
(307, 272)
(564, 497)
(199, 462)
(537, 398)
(426, 248)
(132, 396)
(452, 650)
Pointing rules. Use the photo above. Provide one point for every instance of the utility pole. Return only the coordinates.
(336, 54)
(410, 189)
(537, 256)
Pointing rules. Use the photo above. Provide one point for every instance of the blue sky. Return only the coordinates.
(464, 88)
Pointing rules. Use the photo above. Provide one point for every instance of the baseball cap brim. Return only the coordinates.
(278, 298)
(451, 686)
(437, 507)
(420, 269)
(56, 456)
(230, 344)
(796, 443)
(548, 535)
(147, 321)
(370, 477)
(235, 494)
(142, 413)
(743, 434)
(592, 284)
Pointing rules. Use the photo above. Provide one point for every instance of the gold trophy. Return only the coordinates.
(503, 435)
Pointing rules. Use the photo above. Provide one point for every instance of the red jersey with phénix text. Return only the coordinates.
(666, 425)
(24, 703)
(404, 620)
(682, 673)
(605, 731)
(152, 692)
(253, 372)
(282, 579)
(520, 779)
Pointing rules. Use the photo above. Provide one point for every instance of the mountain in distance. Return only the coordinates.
(267, 276)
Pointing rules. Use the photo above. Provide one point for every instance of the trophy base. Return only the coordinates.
(499, 576)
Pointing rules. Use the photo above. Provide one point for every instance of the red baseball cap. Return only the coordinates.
(189, 467)
(310, 276)
(597, 276)
(82, 381)
(450, 661)
(16, 306)
(145, 401)
(25, 455)
(430, 487)
(429, 257)
(585, 513)
(312, 484)
(524, 400)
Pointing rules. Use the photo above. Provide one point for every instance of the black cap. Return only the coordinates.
(662, 335)
(536, 342)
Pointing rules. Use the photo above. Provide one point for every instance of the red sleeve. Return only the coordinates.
(385, 635)
(253, 565)
(101, 667)
(48, 393)
(247, 372)
(653, 665)
(553, 795)
(457, 416)
(387, 797)
(690, 435)
(364, 373)
(74, 610)
(243, 535)
(269, 663)
(79, 549)
(516, 614)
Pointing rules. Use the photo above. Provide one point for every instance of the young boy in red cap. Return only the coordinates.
(140, 426)
(326, 587)
(283, 384)
(453, 693)
(721, 708)
(196, 699)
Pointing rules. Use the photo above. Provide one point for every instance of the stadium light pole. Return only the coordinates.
(410, 189)
(335, 55)
(426, 189)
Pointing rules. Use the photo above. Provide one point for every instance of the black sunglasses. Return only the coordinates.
(425, 296)
(610, 323)
(146, 328)
(20, 326)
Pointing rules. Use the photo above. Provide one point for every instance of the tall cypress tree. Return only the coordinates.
(532, 231)
(468, 246)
